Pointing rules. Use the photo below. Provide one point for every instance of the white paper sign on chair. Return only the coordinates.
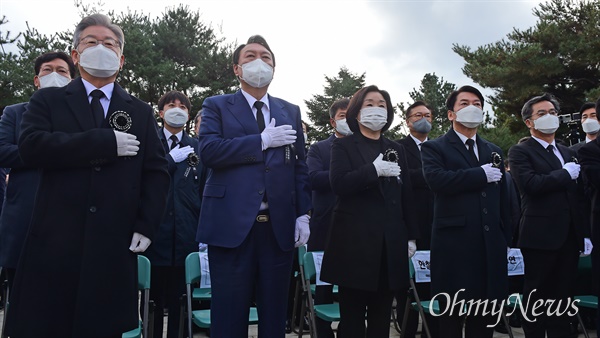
(204, 270)
(318, 259)
(516, 266)
(421, 263)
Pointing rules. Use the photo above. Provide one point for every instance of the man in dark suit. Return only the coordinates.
(471, 218)
(589, 155)
(589, 124)
(53, 69)
(323, 199)
(418, 119)
(257, 198)
(103, 182)
(552, 228)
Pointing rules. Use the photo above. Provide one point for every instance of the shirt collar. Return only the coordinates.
(251, 100)
(544, 143)
(463, 138)
(168, 134)
(417, 141)
(106, 89)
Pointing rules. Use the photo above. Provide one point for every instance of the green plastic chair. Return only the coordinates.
(585, 301)
(200, 318)
(144, 287)
(328, 312)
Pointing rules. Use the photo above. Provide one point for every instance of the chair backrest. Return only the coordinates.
(310, 272)
(192, 268)
(143, 272)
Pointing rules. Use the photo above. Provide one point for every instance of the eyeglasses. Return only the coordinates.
(420, 115)
(108, 42)
(541, 113)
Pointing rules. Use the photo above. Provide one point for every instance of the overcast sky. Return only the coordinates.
(394, 42)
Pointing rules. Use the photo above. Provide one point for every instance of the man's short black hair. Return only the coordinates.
(50, 56)
(337, 105)
(415, 105)
(253, 39)
(527, 109)
(587, 106)
(464, 89)
(171, 97)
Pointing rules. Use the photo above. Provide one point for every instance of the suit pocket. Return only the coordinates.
(448, 222)
(212, 190)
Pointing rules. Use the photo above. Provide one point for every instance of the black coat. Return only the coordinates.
(423, 196)
(323, 198)
(589, 157)
(176, 236)
(20, 192)
(76, 267)
(471, 220)
(372, 217)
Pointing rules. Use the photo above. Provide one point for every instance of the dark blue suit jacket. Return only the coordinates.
(323, 198)
(230, 145)
(471, 220)
(20, 192)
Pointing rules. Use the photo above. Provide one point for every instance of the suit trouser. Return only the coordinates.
(355, 304)
(257, 267)
(167, 287)
(551, 273)
(424, 291)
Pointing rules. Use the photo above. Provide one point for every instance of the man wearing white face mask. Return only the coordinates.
(175, 238)
(103, 186)
(589, 124)
(257, 198)
(552, 230)
(53, 69)
(471, 218)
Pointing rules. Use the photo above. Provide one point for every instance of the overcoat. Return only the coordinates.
(471, 220)
(76, 267)
(373, 217)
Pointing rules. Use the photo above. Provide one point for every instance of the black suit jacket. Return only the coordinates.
(423, 196)
(589, 157)
(471, 220)
(323, 199)
(88, 205)
(20, 192)
(372, 217)
(551, 202)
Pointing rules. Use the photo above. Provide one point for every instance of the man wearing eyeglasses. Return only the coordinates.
(552, 230)
(418, 119)
(102, 192)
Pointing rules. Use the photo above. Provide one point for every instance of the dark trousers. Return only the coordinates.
(474, 326)
(257, 267)
(167, 287)
(356, 305)
(551, 273)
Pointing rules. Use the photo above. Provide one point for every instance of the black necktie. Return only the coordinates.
(553, 157)
(260, 119)
(470, 144)
(174, 141)
(97, 110)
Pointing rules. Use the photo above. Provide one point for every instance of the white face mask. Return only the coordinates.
(373, 118)
(590, 126)
(546, 124)
(470, 116)
(100, 61)
(257, 73)
(341, 126)
(176, 117)
(53, 80)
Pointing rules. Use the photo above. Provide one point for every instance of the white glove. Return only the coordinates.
(587, 247)
(273, 137)
(302, 230)
(127, 144)
(139, 242)
(202, 247)
(179, 154)
(492, 174)
(386, 168)
(412, 248)
(573, 169)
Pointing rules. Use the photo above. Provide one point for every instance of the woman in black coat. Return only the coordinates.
(373, 227)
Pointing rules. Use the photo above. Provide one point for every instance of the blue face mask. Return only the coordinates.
(422, 126)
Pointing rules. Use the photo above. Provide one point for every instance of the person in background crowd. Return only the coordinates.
(175, 238)
(323, 199)
(102, 192)
(374, 226)
(256, 202)
(419, 117)
(552, 228)
(197, 122)
(589, 124)
(52, 69)
(471, 218)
